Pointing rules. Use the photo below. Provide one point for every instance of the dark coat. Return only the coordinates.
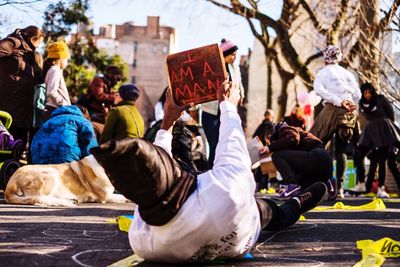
(263, 131)
(17, 79)
(380, 130)
(293, 138)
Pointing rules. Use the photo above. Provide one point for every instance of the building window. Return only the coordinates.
(135, 46)
(133, 79)
(134, 63)
(165, 50)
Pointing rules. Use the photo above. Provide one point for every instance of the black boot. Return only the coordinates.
(312, 196)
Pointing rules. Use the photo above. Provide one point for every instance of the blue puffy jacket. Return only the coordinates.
(65, 137)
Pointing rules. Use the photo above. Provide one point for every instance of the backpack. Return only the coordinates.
(39, 97)
(181, 144)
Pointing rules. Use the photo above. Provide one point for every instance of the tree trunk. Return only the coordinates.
(369, 54)
(269, 82)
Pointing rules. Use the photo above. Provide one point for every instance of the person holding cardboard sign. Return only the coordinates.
(185, 217)
(210, 116)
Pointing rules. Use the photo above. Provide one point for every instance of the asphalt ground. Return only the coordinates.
(81, 236)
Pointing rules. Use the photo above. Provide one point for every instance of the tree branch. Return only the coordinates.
(313, 57)
(7, 2)
(312, 16)
(389, 15)
(338, 23)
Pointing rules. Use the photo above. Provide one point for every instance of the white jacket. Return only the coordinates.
(335, 84)
(56, 89)
(220, 218)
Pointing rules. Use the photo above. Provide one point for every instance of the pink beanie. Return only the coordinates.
(228, 47)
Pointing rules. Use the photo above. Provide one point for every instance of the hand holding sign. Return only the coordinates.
(229, 92)
(172, 112)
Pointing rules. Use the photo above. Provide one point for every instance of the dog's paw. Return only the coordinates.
(117, 198)
(46, 201)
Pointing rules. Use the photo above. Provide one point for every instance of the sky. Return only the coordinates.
(197, 22)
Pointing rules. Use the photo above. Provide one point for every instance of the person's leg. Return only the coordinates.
(274, 217)
(283, 161)
(371, 173)
(341, 160)
(392, 165)
(300, 166)
(211, 125)
(261, 179)
(19, 133)
(382, 157)
(361, 152)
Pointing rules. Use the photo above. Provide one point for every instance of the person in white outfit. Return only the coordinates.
(185, 217)
(56, 90)
(340, 93)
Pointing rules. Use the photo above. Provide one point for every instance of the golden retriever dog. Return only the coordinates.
(63, 184)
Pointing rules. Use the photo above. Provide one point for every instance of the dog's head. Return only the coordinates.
(31, 181)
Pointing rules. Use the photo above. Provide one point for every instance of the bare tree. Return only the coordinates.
(360, 26)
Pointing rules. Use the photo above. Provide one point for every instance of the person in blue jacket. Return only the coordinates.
(67, 136)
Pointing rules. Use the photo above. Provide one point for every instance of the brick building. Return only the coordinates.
(144, 48)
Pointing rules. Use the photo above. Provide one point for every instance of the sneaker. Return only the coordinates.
(312, 196)
(288, 191)
(332, 189)
(360, 187)
(382, 192)
(341, 193)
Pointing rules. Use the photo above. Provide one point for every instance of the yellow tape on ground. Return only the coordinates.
(124, 223)
(374, 253)
(268, 191)
(376, 204)
(127, 262)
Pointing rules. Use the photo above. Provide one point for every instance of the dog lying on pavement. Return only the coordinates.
(63, 184)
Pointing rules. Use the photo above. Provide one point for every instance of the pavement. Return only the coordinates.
(81, 236)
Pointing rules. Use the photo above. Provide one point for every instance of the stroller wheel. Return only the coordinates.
(7, 170)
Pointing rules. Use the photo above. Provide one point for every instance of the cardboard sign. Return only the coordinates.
(195, 75)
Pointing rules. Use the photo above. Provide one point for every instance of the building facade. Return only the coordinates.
(144, 48)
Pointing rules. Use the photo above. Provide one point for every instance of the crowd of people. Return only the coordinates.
(164, 169)
(295, 155)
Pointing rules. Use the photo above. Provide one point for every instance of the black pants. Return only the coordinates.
(211, 125)
(25, 134)
(341, 159)
(378, 158)
(304, 167)
(274, 217)
(392, 165)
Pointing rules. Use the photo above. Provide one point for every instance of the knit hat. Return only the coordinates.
(228, 47)
(129, 92)
(147, 175)
(332, 54)
(58, 50)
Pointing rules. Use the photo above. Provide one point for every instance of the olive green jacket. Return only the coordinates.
(123, 121)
